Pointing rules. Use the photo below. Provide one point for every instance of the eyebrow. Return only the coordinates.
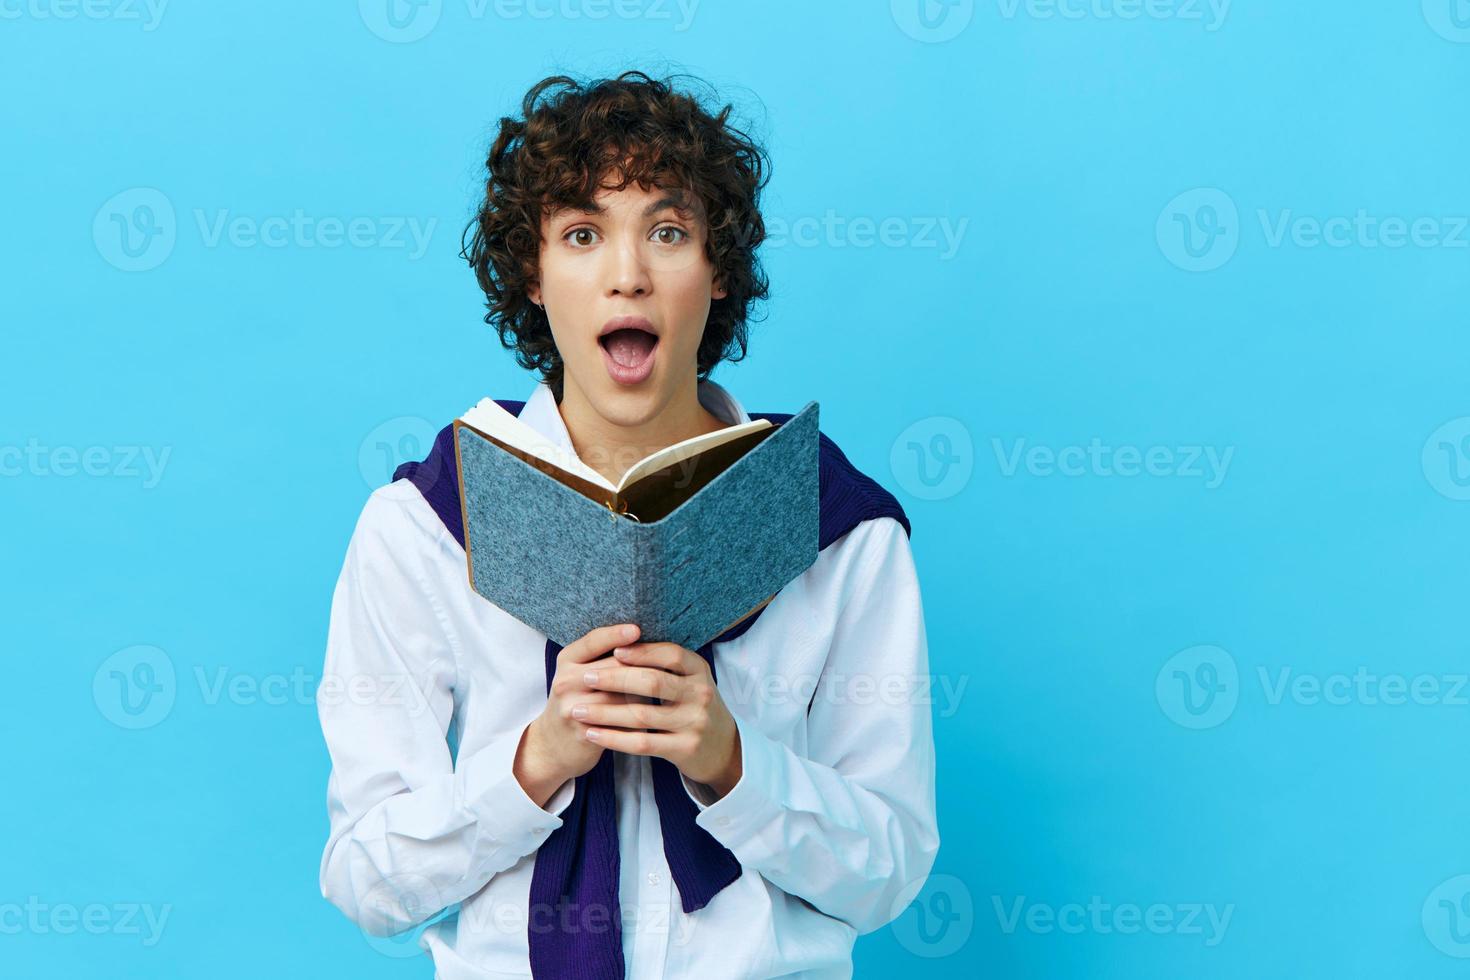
(675, 201)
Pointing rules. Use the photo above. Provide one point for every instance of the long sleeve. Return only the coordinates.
(410, 833)
(851, 828)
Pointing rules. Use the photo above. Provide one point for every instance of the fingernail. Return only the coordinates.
(590, 677)
(593, 734)
(580, 711)
(630, 631)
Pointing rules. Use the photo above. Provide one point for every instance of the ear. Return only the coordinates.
(533, 293)
(717, 290)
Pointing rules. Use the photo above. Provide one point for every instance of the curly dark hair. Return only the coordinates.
(573, 137)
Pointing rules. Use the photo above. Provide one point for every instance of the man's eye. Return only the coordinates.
(667, 235)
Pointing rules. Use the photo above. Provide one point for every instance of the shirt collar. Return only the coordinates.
(542, 413)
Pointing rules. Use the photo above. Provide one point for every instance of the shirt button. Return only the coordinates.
(538, 830)
(653, 877)
(723, 822)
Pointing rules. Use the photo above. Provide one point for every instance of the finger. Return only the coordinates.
(662, 744)
(597, 643)
(647, 681)
(568, 684)
(580, 691)
(663, 718)
(665, 656)
(598, 697)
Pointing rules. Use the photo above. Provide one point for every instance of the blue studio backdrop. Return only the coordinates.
(1152, 313)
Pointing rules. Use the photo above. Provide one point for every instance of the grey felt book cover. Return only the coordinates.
(565, 564)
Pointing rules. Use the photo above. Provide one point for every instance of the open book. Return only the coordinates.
(692, 539)
(658, 483)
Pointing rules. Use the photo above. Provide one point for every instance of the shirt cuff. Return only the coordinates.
(702, 795)
(509, 822)
(747, 819)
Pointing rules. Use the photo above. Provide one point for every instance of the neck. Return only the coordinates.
(612, 445)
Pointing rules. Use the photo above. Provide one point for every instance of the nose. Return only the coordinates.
(627, 272)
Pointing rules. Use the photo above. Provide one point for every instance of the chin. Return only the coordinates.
(624, 404)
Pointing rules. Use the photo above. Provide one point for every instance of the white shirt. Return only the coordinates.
(426, 690)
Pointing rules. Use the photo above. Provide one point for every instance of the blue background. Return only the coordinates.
(1114, 736)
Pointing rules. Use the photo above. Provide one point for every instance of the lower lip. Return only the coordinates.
(626, 375)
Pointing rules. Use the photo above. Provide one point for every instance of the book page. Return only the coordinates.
(692, 446)
(492, 420)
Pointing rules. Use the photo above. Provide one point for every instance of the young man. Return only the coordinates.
(532, 802)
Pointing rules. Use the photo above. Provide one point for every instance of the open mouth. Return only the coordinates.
(628, 353)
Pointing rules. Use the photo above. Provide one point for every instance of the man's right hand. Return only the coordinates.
(553, 748)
